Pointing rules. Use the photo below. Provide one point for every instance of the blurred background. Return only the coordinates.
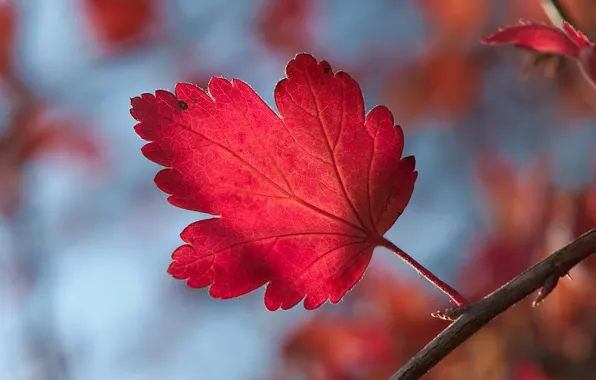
(504, 147)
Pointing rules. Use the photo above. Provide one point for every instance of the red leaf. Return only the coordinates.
(541, 38)
(302, 199)
(7, 36)
(495, 261)
(528, 370)
(285, 25)
(515, 195)
(551, 40)
(119, 24)
(452, 22)
(59, 135)
(339, 346)
(526, 10)
(30, 135)
(585, 216)
(441, 83)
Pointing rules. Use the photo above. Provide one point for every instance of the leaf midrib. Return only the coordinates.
(264, 177)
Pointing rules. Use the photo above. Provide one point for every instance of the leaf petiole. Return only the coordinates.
(455, 296)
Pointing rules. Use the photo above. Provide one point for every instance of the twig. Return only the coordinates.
(480, 313)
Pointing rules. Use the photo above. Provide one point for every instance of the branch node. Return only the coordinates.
(450, 314)
(549, 285)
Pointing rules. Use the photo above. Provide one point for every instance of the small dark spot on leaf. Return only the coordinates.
(195, 100)
(327, 70)
(322, 83)
(334, 269)
(182, 105)
(240, 150)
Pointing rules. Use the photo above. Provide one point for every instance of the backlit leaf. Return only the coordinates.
(302, 199)
(541, 38)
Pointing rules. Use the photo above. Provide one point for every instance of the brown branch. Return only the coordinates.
(480, 313)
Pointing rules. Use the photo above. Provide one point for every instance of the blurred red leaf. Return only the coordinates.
(528, 370)
(120, 24)
(339, 347)
(381, 329)
(495, 261)
(443, 84)
(440, 85)
(398, 305)
(586, 216)
(526, 10)
(576, 96)
(515, 195)
(284, 25)
(455, 22)
(515, 198)
(31, 134)
(385, 296)
(59, 135)
(8, 21)
(299, 208)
